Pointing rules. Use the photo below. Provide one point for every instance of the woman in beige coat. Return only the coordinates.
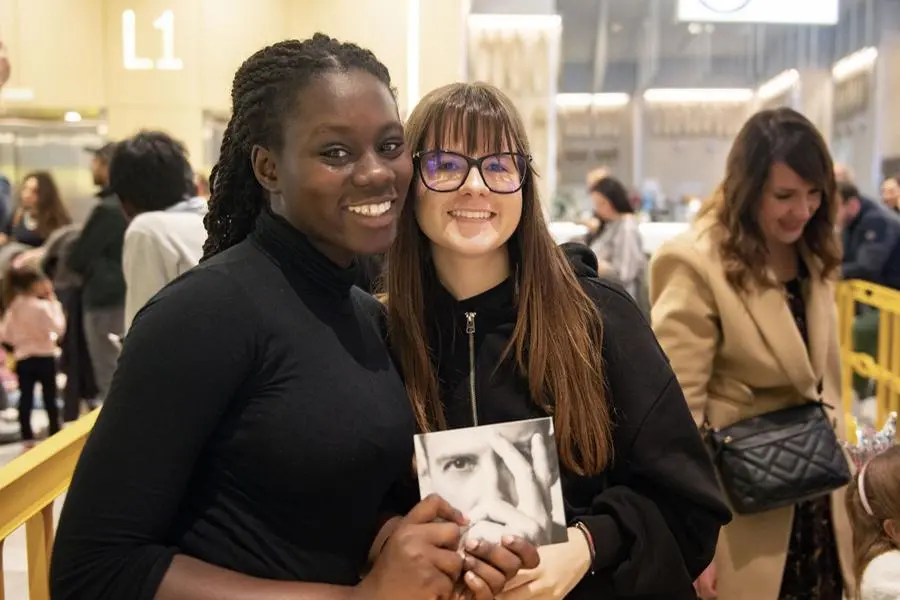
(743, 304)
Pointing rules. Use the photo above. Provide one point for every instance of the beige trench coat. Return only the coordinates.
(738, 355)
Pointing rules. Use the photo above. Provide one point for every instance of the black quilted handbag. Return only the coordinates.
(778, 458)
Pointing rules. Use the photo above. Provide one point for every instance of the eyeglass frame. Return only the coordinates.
(472, 162)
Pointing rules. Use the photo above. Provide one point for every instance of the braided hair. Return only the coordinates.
(263, 95)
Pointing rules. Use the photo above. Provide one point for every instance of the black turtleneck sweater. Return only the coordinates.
(255, 422)
(655, 513)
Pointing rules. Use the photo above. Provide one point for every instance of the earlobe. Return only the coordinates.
(892, 529)
(263, 163)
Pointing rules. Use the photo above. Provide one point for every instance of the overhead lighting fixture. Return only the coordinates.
(604, 100)
(515, 22)
(72, 117)
(778, 85)
(852, 64)
(697, 95)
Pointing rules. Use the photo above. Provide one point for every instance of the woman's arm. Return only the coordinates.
(684, 319)
(656, 525)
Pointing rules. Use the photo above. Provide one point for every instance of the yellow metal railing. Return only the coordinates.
(884, 368)
(28, 487)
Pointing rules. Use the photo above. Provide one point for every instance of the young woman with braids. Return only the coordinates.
(256, 429)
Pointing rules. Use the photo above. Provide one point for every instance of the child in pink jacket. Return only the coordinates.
(32, 325)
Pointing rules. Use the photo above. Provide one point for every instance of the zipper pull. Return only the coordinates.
(470, 323)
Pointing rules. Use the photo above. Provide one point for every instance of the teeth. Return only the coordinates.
(472, 214)
(371, 210)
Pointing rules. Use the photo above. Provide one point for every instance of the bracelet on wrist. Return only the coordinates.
(590, 541)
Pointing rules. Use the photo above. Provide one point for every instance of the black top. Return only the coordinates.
(872, 245)
(20, 232)
(97, 254)
(255, 422)
(655, 514)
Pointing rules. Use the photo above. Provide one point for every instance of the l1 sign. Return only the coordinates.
(799, 12)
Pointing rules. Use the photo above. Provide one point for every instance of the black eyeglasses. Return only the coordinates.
(502, 173)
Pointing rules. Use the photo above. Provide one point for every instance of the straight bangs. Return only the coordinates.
(806, 157)
(471, 117)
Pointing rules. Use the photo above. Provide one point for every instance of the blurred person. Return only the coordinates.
(75, 360)
(492, 322)
(96, 255)
(201, 186)
(32, 325)
(260, 455)
(743, 305)
(100, 157)
(4, 65)
(39, 213)
(843, 173)
(873, 502)
(890, 193)
(165, 235)
(617, 241)
(6, 203)
(871, 238)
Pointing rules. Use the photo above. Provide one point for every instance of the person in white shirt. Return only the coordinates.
(152, 177)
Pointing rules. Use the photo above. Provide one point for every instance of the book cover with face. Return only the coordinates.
(503, 477)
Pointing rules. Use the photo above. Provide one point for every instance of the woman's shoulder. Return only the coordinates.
(216, 294)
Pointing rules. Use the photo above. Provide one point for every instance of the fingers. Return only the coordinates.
(540, 460)
(506, 562)
(515, 521)
(448, 562)
(530, 495)
(442, 535)
(433, 508)
(526, 552)
(482, 579)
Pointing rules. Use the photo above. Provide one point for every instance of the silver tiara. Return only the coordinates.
(870, 442)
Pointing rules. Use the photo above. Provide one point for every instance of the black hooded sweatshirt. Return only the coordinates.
(656, 511)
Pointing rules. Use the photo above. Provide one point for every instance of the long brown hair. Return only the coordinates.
(557, 337)
(49, 212)
(769, 137)
(882, 487)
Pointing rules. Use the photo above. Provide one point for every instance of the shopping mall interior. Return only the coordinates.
(652, 93)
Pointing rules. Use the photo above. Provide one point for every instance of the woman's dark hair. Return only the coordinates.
(49, 212)
(558, 333)
(774, 136)
(150, 171)
(263, 96)
(614, 191)
(19, 281)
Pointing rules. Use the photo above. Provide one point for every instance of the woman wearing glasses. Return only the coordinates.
(490, 323)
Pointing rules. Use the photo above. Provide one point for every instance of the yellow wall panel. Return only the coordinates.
(230, 31)
(58, 50)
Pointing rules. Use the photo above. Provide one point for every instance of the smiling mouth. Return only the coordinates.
(472, 215)
(375, 209)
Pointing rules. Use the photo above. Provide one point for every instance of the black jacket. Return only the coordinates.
(655, 513)
(872, 245)
(97, 254)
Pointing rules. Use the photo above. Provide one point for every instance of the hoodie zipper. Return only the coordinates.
(470, 331)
